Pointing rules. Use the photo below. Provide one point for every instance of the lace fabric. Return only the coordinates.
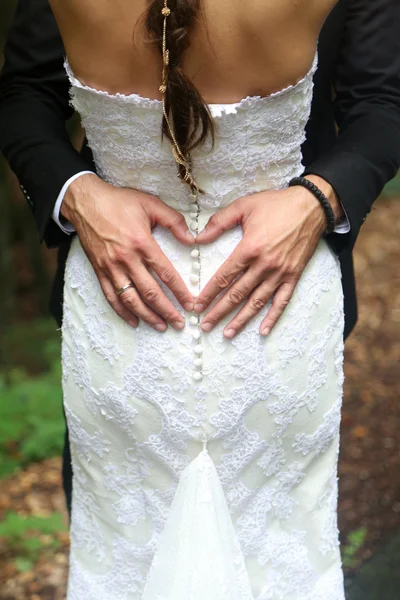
(154, 517)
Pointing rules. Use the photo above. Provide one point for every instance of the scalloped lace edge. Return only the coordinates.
(216, 109)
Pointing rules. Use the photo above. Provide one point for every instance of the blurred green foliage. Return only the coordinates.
(31, 419)
(27, 536)
(350, 549)
(32, 346)
(393, 187)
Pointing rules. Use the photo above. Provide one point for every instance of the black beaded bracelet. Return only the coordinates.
(326, 205)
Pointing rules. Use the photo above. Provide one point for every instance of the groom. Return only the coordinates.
(357, 91)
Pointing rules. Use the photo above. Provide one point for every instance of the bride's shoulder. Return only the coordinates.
(270, 13)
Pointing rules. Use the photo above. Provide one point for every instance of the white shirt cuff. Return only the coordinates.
(344, 224)
(63, 224)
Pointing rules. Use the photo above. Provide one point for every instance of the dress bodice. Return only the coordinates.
(257, 143)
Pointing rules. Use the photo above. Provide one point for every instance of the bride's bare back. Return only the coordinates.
(237, 48)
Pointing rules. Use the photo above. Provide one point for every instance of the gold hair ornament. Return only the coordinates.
(176, 151)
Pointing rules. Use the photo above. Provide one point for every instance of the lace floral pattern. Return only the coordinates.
(270, 407)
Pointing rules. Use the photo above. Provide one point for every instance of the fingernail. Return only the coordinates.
(133, 324)
(160, 326)
(206, 326)
(199, 307)
(188, 306)
(178, 324)
(265, 331)
(189, 235)
(229, 333)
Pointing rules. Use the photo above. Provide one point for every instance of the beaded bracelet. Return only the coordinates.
(326, 205)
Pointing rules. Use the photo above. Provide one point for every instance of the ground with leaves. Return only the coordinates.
(369, 466)
(38, 571)
(34, 552)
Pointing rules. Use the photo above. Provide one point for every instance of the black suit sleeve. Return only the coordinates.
(34, 106)
(366, 154)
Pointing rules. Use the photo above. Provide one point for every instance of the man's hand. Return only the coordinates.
(281, 230)
(114, 227)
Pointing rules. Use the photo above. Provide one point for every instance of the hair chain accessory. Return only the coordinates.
(176, 151)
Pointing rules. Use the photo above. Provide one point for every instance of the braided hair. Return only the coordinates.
(184, 106)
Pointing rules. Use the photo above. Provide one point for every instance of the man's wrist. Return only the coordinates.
(74, 194)
(58, 218)
(331, 195)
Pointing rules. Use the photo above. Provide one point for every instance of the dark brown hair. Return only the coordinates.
(188, 113)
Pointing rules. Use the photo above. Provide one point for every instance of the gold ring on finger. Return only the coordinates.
(126, 287)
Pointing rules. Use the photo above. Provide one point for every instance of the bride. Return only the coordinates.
(204, 454)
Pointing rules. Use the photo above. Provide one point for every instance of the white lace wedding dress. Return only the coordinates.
(156, 513)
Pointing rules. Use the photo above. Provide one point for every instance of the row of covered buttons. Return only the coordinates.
(195, 279)
(194, 322)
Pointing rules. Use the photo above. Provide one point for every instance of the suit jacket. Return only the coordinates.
(356, 95)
